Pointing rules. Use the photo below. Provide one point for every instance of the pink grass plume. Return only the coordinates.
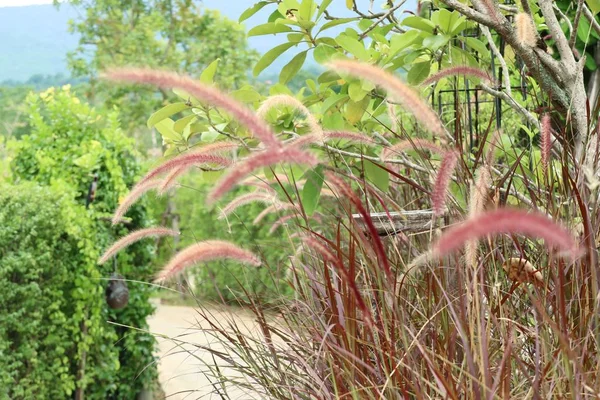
(208, 250)
(510, 221)
(188, 160)
(271, 209)
(136, 192)
(442, 181)
(290, 101)
(397, 89)
(265, 158)
(135, 237)
(248, 198)
(458, 70)
(546, 140)
(206, 94)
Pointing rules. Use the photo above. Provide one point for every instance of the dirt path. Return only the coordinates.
(180, 365)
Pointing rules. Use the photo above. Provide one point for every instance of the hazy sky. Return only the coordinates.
(13, 3)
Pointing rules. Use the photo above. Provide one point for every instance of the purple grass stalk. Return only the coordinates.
(281, 221)
(134, 237)
(442, 181)
(507, 220)
(397, 89)
(331, 258)
(346, 191)
(412, 144)
(290, 101)
(546, 140)
(458, 70)
(271, 209)
(204, 93)
(259, 160)
(208, 250)
(136, 192)
(248, 198)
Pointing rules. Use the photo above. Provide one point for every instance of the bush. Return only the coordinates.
(68, 144)
(47, 287)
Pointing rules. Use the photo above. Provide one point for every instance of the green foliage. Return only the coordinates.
(69, 142)
(42, 279)
(175, 35)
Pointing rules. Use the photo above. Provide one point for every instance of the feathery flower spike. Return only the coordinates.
(185, 161)
(136, 192)
(256, 196)
(546, 140)
(259, 160)
(397, 89)
(290, 101)
(458, 70)
(442, 181)
(208, 250)
(525, 29)
(507, 220)
(204, 93)
(134, 237)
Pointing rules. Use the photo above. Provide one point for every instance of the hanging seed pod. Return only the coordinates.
(521, 270)
(117, 293)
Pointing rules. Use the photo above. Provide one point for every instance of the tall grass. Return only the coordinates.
(368, 322)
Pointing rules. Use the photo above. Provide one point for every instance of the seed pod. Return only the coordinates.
(117, 293)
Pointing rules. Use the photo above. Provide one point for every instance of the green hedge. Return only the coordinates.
(68, 142)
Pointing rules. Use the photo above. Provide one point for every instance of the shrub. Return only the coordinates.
(48, 289)
(69, 143)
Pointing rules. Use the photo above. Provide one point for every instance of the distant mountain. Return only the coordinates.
(35, 39)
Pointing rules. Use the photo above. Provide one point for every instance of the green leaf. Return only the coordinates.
(355, 110)
(166, 112)
(377, 175)
(181, 123)
(335, 22)
(311, 192)
(356, 92)
(594, 6)
(270, 56)
(433, 43)
(332, 101)
(476, 45)
(252, 10)
(418, 73)
(183, 95)
(307, 9)
(166, 128)
(353, 46)
(269, 28)
(246, 95)
(208, 75)
(349, 4)
(323, 53)
(419, 23)
(292, 68)
(323, 7)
